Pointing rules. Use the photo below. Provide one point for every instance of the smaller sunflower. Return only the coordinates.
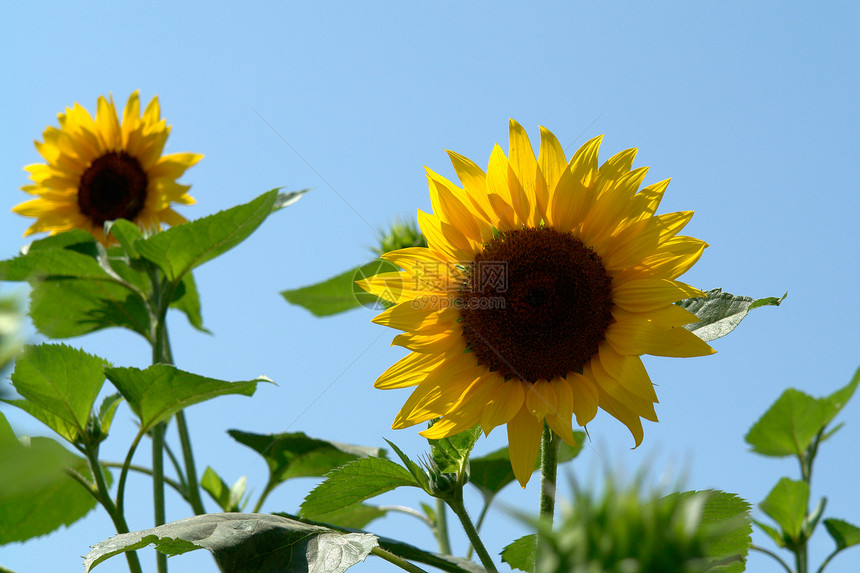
(106, 169)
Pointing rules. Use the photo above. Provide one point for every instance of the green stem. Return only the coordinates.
(160, 354)
(548, 468)
(456, 505)
(801, 558)
(190, 469)
(829, 557)
(480, 522)
(180, 489)
(773, 555)
(441, 528)
(104, 498)
(158, 486)
(123, 474)
(399, 561)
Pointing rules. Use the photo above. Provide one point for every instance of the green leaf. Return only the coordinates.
(838, 399)
(451, 453)
(59, 385)
(355, 516)
(789, 425)
(68, 308)
(842, 532)
(721, 312)
(418, 473)
(439, 561)
(161, 390)
(186, 300)
(355, 482)
(37, 496)
(727, 524)
(126, 233)
(290, 455)
(340, 293)
(107, 410)
(228, 498)
(42, 264)
(521, 553)
(787, 504)
(184, 247)
(771, 532)
(492, 472)
(10, 324)
(247, 543)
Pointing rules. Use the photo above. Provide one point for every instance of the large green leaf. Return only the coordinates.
(352, 483)
(339, 293)
(161, 390)
(726, 523)
(186, 300)
(492, 472)
(68, 307)
(789, 425)
(721, 312)
(290, 455)
(787, 504)
(184, 247)
(72, 255)
(247, 543)
(59, 385)
(37, 495)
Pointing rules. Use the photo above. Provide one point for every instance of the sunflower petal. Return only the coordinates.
(524, 434)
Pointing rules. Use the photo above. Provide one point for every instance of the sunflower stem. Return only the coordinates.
(396, 560)
(548, 468)
(459, 509)
(441, 527)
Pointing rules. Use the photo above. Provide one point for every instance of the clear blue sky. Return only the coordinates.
(750, 108)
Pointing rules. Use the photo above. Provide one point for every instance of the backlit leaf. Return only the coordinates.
(247, 543)
(721, 312)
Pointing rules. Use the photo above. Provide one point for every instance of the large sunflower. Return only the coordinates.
(103, 169)
(542, 284)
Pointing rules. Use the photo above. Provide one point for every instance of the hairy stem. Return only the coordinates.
(548, 469)
(459, 510)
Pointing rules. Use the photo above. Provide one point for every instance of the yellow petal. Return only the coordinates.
(541, 399)
(474, 182)
(437, 393)
(498, 191)
(416, 317)
(445, 238)
(551, 159)
(560, 419)
(635, 336)
(524, 434)
(649, 294)
(409, 370)
(585, 397)
(628, 371)
(502, 401)
(448, 204)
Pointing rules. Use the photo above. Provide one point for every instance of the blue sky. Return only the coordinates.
(750, 108)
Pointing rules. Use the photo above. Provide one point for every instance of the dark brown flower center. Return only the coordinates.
(112, 187)
(536, 305)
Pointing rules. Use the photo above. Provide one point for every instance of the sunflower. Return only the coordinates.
(103, 169)
(542, 284)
